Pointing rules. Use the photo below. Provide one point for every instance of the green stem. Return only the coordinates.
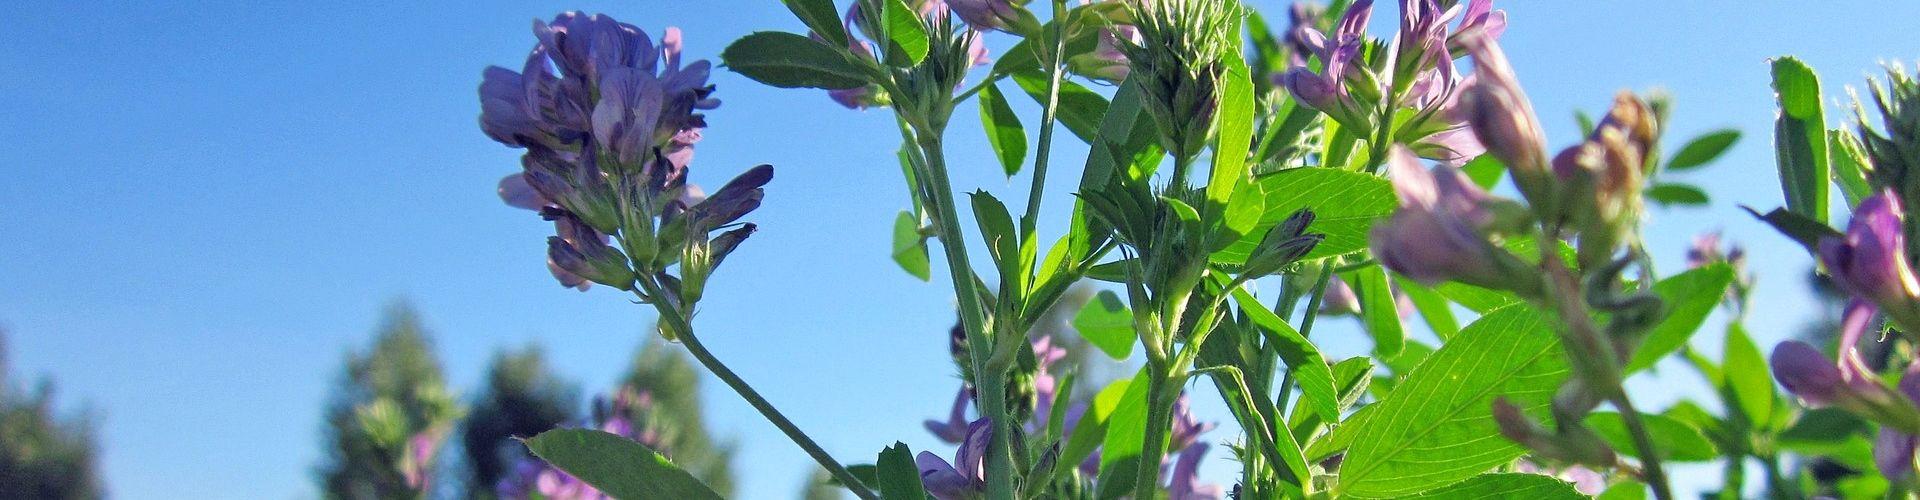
(684, 331)
(1594, 358)
(989, 380)
(1153, 449)
(1045, 147)
(991, 79)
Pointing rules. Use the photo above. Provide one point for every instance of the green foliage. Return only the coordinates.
(1505, 485)
(617, 466)
(1688, 297)
(43, 454)
(821, 17)
(522, 397)
(787, 60)
(1004, 132)
(386, 395)
(1379, 310)
(1106, 323)
(1436, 427)
(1676, 440)
(910, 247)
(898, 478)
(1703, 149)
(1345, 206)
(1800, 138)
(906, 35)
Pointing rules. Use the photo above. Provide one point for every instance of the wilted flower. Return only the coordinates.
(1870, 262)
(1439, 232)
(967, 475)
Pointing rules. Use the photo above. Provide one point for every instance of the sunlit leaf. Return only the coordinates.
(616, 465)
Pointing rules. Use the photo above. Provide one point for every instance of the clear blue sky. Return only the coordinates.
(206, 205)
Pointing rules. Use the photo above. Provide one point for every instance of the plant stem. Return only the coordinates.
(1594, 357)
(989, 380)
(684, 329)
(991, 79)
(1045, 147)
(1306, 321)
(1153, 449)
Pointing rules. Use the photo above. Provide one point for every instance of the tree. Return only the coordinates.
(523, 397)
(388, 416)
(43, 454)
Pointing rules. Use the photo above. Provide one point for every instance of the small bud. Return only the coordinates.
(1439, 232)
(1502, 118)
(1807, 373)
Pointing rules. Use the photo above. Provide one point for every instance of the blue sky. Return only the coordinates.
(206, 205)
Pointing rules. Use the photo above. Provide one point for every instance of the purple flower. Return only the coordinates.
(1479, 22)
(1186, 429)
(1106, 61)
(1807, 373)
(1329, 91)
(1437, 234)
(1502, 117)
(417, 465)
(967, 475)
(583, 252)
(987, 15)
(1183, 483)
(954, 429)
(1870, 262)
(1339, 298)
(1893, 450)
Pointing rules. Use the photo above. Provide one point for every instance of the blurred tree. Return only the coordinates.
(388, 416)
(523, 397)
(42, 455)
(670, 380)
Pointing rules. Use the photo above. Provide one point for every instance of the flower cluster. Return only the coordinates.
(1367, 93)
(934, 13)
(609, 120)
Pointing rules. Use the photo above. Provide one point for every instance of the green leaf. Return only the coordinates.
(906, 35)
(1624, 490)
(1341, 436)
(1106, 323)
(1378, 309)
(1125, 441)
(1433, 308)
(996, 228)
(1673, 193)
(1485, 170)
(1807, 232)
(1800, 138)
(1079, 109)
(1584, 121)
(1676, 440)
(789, 61)
(1004, 133)
(1437, 427)
(1689, 297)
(1234, 132)
(1505, 485)
(821, 17)
(1345, 205)
(616, 465)
(1092, 428)
(1748, 376)
(1822, 431)
(909, 248)
(899, 478)
(1303, 360)
(1850, 165)
(1703, 149)
(1474, 298)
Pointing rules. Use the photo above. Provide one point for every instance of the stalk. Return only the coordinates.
(1045, 148)
(684, 329)
(1146, 484)
(1582, 337)
(990, 380)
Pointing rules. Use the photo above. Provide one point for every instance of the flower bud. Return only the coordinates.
(1502, 118)
(1870, 261)
(1807, 373)
(583, 252)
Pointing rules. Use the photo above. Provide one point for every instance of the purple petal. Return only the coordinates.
(1806, 373)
